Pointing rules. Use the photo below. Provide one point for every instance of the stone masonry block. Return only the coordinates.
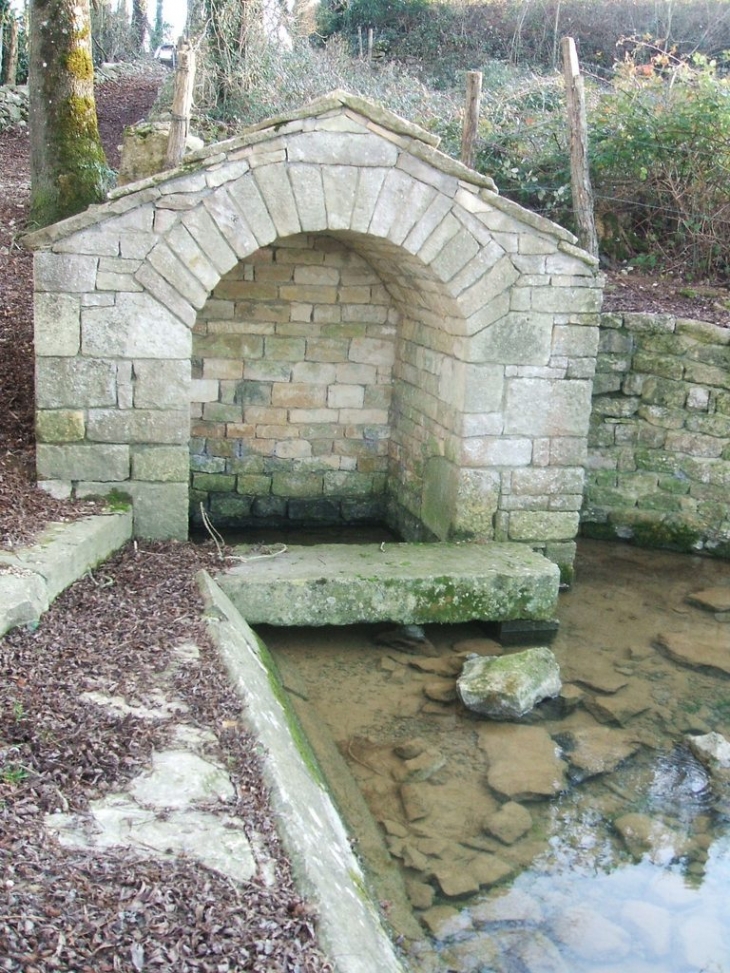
(420, 198)
(483, 388)
(394, 197)
(160, 510)
(60, 425)
(231, 223)
(543, 525)
(340, 190)
(177, 274)
(515, 339)
(575, 341)
(136, 327)
(138, 426)
(202, 228)
(342, 148)
(368, 189)
(247, 197)
(491, 451)
(276, 191)
(547, 481)
(182, 244)
(540, 407)
(88, 461)
(57, 324)
(75, 383)
(309, 194)
(64, 272)
(161, 384)
(165, 294)
(161, 464)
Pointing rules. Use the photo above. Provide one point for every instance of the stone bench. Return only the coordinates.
(343, 584)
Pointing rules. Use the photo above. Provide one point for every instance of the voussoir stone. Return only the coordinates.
(509, 686)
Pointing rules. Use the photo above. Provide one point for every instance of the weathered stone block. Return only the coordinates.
(160, 510)
(341, 148)
(64, 272)
(165, 464)
(546, 408)
(345, 584)
(136, 327)
(75, 383)
(161, 384)
(60, 426)
(542, 525)
(57, 324)
(138, 426)
(89, 461)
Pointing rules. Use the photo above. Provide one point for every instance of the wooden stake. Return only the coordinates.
(371, 39)
(580, 178)
(471, 116)
(182, 101)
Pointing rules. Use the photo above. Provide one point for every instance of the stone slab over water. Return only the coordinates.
(343, 584)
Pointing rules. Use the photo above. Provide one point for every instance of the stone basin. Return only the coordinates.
(344, 584)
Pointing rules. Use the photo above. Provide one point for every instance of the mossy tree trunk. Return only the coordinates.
(69, 170)
(140, 24)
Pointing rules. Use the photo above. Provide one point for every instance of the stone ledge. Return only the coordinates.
(326, 870)
(344, 584)
(32, 577)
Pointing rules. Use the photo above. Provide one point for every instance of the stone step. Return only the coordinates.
(342, 584)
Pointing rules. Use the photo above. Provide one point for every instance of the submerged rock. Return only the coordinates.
(594, 750)
(712, 599)
(510, 823)
(713, 750)
(509, 686)
(689, 651)
(644, 835)
(524, 763)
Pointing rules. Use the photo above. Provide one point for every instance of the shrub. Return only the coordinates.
(660, 152)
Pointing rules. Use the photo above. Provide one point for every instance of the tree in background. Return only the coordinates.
(9, 45)
(69, 170)
(140, 24)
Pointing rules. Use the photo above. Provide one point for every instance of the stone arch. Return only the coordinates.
(498, 315)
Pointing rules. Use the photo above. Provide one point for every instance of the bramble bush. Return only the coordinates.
(660, 160)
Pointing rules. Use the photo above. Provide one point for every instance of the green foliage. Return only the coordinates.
(660, 157)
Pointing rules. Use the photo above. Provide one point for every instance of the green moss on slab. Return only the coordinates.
(296, 730)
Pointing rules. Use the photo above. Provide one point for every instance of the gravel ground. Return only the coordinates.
(116, 629)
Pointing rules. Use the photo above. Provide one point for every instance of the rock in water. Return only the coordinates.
(507, 687)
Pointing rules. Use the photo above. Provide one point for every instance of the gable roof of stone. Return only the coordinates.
(337, 104)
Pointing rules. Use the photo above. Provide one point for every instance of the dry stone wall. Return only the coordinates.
(659, 446)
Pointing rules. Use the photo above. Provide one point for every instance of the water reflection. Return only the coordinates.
(627, 868)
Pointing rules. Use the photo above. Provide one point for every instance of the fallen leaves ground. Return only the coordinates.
(115, 628)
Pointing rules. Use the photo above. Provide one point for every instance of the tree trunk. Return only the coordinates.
(139, 24)
(68, 166)
(10, 63)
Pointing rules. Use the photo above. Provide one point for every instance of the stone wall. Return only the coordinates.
(292, 383)
(487, 315)
(13, 106)
(659, 445)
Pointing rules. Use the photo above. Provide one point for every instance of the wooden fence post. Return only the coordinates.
(471, 116)
(580, 178)
(182, 100)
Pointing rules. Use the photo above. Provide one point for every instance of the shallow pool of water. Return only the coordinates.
(588, 839)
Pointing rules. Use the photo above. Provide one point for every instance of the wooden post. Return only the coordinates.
(471, 116)
(579, 173)
(182, 100)
(359, 41)
(371, 39)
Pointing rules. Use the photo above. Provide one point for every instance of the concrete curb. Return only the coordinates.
(32, 577)
(325, 869)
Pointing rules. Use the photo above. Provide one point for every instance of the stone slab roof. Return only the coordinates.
(336, 111)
